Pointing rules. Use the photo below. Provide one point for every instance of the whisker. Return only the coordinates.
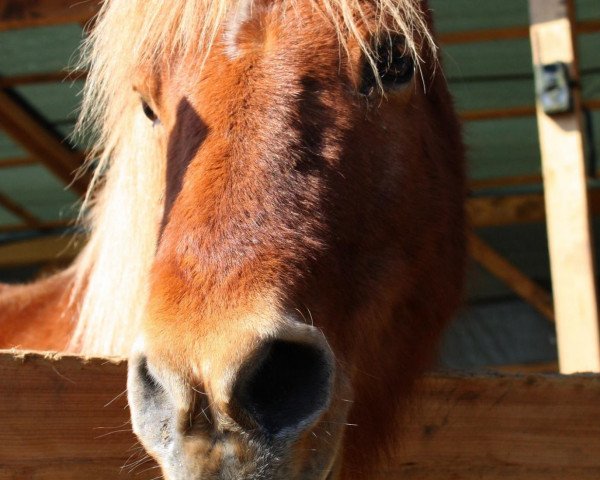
(62, 376)
(342, 423)
(117, 426)
(157, 478)
(112, 433)
(311, 317)
(117, 397)
(136, 446)
(153, 467)
(132, 466)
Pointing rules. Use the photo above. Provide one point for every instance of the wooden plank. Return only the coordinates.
(525, 368)
(46, 249)
(484, 35)
(28, 218)
(34, 137)
(563, 168)
(24, 14)
(593, 104)
(503, 427)
(499, 182)
(491, 211)
(514, 278)
(506, 33)
(587, 26)
(513, 112)
(64, 418)
(505, 210)
(17, 162)
(21, 227)
(497, 113)
(42, 77)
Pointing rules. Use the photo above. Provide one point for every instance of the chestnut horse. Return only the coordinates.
(277, 230)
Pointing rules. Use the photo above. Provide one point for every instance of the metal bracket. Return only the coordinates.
(554, 88)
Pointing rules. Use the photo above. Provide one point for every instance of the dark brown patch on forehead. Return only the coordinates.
(188, 134)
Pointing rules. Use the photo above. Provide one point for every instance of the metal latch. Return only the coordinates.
(553, 87)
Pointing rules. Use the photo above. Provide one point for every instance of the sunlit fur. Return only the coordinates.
(126, 209)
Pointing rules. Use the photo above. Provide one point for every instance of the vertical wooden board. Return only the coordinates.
(567, 211)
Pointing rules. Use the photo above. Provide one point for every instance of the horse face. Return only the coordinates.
(303, 208)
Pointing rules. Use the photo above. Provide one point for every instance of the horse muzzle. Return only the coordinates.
(266, 414)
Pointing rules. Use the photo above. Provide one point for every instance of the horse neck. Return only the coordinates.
(38, 316)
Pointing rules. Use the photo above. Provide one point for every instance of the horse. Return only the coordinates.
(277, 230)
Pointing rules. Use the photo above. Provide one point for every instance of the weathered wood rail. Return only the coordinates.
(65, 418)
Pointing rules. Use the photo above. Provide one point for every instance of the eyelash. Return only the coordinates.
(393, 64)
(150, 114)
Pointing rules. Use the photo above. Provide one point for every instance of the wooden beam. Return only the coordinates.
(17, 210)
(484, 35)
(17, 162)
(23, 14)
(563, 167)
(505, 210)
(525, 368)
(65, 418)
(36, 251)
(45, 226)
(499, 182)
(587, 26)
(593, 104)
(492, 211)
(42, 77)
(514, 278)
(34, 137)
(513, 112)
(497, 113)
(506, 33)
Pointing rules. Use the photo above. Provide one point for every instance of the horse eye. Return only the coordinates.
(393, 63)
(149, 113)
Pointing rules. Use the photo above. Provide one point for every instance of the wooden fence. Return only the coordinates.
(66, 418)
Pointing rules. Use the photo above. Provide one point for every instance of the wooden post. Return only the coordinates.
(567, 212)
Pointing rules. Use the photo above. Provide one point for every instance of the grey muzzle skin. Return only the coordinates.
(275, 397)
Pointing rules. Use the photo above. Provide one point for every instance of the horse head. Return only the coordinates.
(310, 239)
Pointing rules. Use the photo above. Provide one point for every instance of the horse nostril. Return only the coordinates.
(288, 388)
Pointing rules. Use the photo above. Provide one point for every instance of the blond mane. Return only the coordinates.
(124, 203)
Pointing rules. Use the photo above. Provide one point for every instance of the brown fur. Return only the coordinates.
(37, 316)
(287, 192)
